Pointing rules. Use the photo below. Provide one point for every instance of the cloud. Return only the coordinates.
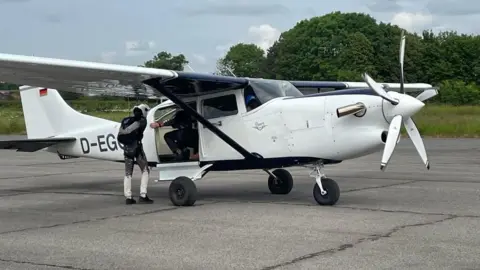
(263, 35)
(413, 22)
(137, 47)
(454, 8)
(237, 9)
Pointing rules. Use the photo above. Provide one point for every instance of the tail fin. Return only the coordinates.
(47, 114)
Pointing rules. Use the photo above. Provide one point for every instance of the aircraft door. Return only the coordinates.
(221, 110)
(149, 139)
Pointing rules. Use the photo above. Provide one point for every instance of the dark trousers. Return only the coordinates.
(181, 139)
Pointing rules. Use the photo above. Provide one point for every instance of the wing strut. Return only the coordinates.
(156, 84)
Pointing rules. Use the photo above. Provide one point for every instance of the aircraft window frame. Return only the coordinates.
(210, 112)
(162, 113)
(170, 111)
(266, 90)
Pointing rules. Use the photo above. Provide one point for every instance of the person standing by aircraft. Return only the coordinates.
(130, 135)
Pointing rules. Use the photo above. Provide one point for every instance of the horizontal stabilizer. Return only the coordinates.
(33, 145)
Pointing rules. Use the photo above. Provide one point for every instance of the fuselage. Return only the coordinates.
(284, 127)
(308, 126)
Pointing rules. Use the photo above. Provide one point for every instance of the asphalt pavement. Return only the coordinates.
(71, 214)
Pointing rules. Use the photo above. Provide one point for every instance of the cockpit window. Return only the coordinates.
(266, 90)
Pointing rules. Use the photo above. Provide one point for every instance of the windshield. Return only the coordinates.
(266, 90)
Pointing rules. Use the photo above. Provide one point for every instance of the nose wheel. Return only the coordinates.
(328, 194)
(325, 190)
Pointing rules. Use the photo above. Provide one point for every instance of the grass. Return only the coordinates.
(432, 121)
(448, 121)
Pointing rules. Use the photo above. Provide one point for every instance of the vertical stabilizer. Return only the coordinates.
(47, 114)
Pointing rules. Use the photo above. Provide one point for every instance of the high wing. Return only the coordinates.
(409, 87)
(33, 145)
(86, 78)
(195, 84)
(90, 78)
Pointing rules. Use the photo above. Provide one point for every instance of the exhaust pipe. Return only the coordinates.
(357, 109)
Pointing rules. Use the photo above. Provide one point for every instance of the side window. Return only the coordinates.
(164, 113)
(168, 113)
(220, 106)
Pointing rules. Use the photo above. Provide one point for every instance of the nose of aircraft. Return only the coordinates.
(406, 107)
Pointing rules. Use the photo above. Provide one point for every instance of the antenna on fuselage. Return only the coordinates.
(189, 67)
(231, 72)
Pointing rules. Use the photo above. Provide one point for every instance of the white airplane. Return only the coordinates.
(287, 129)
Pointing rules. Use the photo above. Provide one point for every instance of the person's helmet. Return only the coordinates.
(144, 108)
(249, 98)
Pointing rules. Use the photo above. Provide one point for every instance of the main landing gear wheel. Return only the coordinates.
(283, 184)
(332, 192)
(182, 191)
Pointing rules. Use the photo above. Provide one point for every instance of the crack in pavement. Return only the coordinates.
(44, 264)
(407, 212)
(371, 238)
(345, 207)
(19, 193)
(102, 219)
(53, 174)
(382, 186)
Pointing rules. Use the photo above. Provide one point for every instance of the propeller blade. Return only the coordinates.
(392, 140)
(417, 140)
(378, 89)
(427, 94)
(401, 58)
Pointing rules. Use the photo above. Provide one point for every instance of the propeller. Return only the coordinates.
(402, 108)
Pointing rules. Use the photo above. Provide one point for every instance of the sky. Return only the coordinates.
(132, 32)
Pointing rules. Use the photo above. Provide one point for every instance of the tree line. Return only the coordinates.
(341, 46)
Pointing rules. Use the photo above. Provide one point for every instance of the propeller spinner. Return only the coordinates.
(402, 108)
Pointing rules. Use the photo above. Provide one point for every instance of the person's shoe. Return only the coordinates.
(178, 155)
(129, 201)
(145, 200)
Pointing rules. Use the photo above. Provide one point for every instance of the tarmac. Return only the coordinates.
(71, 214)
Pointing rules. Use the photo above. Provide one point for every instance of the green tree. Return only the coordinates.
(457, 92)
(244, 60)
(165, 60)
(313, 49)
(354, 58)
(341, 46)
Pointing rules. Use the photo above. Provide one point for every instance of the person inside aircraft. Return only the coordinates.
(184, 136)
(252, 102)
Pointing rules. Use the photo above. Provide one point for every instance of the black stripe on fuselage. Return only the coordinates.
(355, 91)
(245, 164)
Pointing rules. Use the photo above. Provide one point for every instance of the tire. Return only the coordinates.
(332, 189)
(182, 191)
(285, 182)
